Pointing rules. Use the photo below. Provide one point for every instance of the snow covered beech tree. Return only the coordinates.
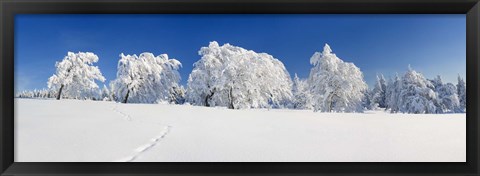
(75, 76)
(416, 95)
(238, 78)
(302, 99)
(145, 78)
(336, 86)
(462, 94)
(378, 99)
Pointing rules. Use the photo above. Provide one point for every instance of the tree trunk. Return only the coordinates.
(230, 105)
(126, 97)
(208, 98)
(330, 97)
(206, 101)
(60, 92)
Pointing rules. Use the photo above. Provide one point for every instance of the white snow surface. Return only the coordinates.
(95, 131)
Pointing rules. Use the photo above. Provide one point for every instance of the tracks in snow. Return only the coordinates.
(129, 118)
(142, 149)
(126, 116)
(154, 141)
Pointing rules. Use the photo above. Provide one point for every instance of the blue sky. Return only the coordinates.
(431, 44)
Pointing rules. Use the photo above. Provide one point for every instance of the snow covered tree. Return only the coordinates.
(378, 99)
(75, 75)
(416, 95)
(448, 98)
(238, 78)
(43, 93)
(393, 94)
(435, 85)
(366, 100)
(437, 82)
(24, 94)
(462, 94)
(105, 94)
(336, 86)
(145, 78)
(177, 95)
(302, 99)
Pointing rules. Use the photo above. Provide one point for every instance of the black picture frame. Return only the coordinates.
(9, 8)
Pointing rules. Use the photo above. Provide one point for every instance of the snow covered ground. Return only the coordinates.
(76, 131)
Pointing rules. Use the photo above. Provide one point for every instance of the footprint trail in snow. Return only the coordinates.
(126, 116)
(140, 150)
(154, 141)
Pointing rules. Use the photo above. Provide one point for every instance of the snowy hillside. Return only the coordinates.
(74, 130)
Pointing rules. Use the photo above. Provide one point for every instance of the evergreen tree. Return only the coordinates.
(378, 93)
(462, 94)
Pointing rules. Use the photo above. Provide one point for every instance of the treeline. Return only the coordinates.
(413, 93)
(237, 78)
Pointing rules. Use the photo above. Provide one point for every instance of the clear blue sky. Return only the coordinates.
(431, 44)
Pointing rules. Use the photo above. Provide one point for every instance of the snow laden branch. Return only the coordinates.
(146, 78)
(237, 78)
(75, 76)
(336, 86)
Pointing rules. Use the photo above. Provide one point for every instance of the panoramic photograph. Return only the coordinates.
(240, 88)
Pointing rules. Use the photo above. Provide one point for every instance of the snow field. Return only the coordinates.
(95, 131)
